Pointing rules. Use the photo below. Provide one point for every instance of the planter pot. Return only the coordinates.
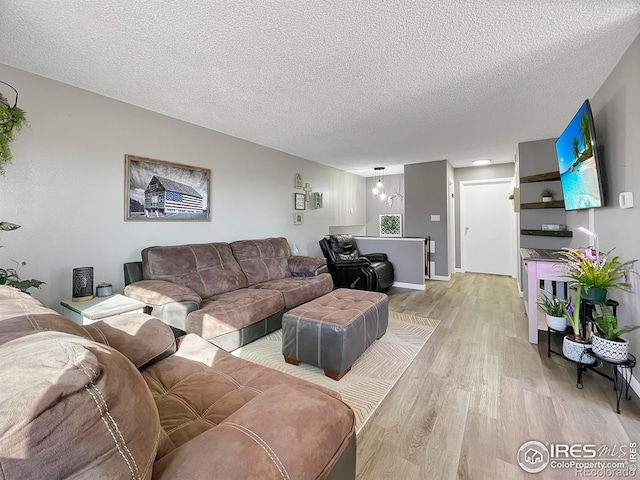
(572, 348)
(557, 323)
(547, 199)
(595, 294)
(104, 291)
(612, 350)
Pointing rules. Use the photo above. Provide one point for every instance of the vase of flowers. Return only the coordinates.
(554, 309)
(597, 273)
(574, 345)
(606, 340)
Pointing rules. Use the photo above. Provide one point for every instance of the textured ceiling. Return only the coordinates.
(353, 84)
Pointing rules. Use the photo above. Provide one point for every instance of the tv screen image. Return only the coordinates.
(578, 164)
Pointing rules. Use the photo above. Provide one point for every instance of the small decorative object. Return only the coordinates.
(294, 249)
(10, 276)
(298, 201)
(316, 200)
(391, 225)
(547, 195)
(82, 284)
(297, 181)
(298, 218)
(554, 308)
(607, 342)
(164, 191)
(307, 192)
(391, 198)
(587, 268)
(12, 120)
(104, 290)
(573, 346)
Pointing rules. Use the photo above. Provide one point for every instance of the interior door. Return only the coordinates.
(488, 223)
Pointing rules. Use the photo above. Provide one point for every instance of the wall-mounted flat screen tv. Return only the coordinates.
(578, 162)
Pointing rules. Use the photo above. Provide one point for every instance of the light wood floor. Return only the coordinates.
(478, 390)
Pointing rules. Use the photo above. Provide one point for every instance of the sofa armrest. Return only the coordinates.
(143, 339)
(160, 292)
(302, 266)
(287, 431)
(376, 257)
(357, 263)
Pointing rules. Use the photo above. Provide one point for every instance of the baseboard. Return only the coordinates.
(633, 383)
(458, 270)
(413, 286)
(439, 277)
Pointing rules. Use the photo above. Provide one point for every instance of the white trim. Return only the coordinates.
(439, 277)
(458, 270)
(413, 286)
(404, 239)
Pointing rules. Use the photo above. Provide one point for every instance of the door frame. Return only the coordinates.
(514, 227)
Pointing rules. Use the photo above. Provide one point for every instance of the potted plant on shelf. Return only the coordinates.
(574, 345)
(597, 273)
(606, 341)
(547, 195)
(554, 308)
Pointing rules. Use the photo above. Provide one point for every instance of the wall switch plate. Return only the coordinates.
(626, 199)
(435, 218)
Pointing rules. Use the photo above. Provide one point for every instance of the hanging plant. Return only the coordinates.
(12, 120)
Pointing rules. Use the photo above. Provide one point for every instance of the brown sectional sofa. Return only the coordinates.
(228, 293)
(122, 398)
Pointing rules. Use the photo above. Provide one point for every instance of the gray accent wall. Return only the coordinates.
(426, 195)
(616, 110)
(502, 170)
(65, 187)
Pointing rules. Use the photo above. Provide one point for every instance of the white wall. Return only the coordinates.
(65, 186)
(394, 185)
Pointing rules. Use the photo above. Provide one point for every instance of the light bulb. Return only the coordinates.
(379, 184)
(383, 196)
(375, 190)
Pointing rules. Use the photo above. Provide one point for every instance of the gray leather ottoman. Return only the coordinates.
(332, 331)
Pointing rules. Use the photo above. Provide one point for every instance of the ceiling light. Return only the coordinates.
(378, 189)
(479, 163)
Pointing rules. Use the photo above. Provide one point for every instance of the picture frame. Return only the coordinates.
(297, 181)
(299, 201)
(157, 190)
(298, 218)
(390, 225)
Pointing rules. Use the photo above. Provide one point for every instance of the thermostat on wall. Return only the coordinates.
(626, 199)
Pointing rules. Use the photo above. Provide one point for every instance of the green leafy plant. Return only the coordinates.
(10, 276)
(547, 193)
(12, 120)
(552, 306)
(607, 324)
(573, 312)
(606, 271)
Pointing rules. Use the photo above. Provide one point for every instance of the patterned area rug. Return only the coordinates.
(372, 375)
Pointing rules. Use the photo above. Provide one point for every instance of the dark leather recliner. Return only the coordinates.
(351, 269)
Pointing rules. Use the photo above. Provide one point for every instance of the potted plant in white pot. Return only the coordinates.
(547, 195)
(554, 309)
(606, 341)
(574, 345)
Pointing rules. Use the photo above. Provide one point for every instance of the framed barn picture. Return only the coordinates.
(156, 190)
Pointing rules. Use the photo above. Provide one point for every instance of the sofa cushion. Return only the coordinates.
(232, 311)
(160, 292)
(298, 290)
(201, 385)
(21, 314)
(263, 260)
(57, 387)
(208, 268)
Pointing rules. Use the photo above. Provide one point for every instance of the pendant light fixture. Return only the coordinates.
(378, 189)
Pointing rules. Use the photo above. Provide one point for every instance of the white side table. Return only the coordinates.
(100, 308)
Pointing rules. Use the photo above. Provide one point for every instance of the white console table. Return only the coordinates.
(547, 266)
